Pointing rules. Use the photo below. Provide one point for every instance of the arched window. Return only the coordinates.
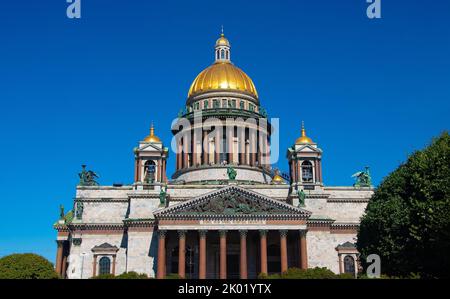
(104, 265)
(150, 169)
(222, 54)
(307, 172)
(349, 264)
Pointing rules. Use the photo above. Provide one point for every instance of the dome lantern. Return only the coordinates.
(222, 49)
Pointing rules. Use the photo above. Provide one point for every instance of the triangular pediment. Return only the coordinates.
(231, 202)
(308, 148)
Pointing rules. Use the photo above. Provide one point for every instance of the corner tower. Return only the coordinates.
(305, 163)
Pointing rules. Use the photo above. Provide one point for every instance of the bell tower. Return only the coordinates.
(150, 161)
(305, 163)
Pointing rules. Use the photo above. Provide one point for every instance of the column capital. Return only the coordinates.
(182, 233)
(223, 232)
(303, 232)
(283, 232)
(162, 233)
(203, 232)
(263, 232)
(243, 232)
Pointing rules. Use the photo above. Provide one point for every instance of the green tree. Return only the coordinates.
(407, 221)
(26, 266)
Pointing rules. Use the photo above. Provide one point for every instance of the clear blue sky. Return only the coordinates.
(85, 91)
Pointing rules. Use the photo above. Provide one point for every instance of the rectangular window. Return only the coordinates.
(216, 104)
(205, 104)
(242, 105)
(251, 107)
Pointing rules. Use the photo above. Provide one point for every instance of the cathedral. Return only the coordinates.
(224, 212)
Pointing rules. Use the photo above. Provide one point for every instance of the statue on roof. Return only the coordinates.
(87, 177)
(301, 198)
(61, 212)
(232, 173)
(363, 178)
(79, 210)
(163, 196)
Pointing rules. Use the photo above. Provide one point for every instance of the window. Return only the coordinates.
(104, 266)
(251, 107)
(216, 104)
(197, 106)
(349, 264)
(242, 105)
(205, 104)
(224, 103)
(222, 54)
(232, 103)
(307, 172)
(149, 171)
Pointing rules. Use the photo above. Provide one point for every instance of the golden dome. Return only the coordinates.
(277, 178)
(223, 41)
(303, 138)
(152, 137)
(223, 76)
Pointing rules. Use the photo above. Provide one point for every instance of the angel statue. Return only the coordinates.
(87, 177)
(61, 212)
(363, 178)
(301, 198)
(163, 196)
(232, 173)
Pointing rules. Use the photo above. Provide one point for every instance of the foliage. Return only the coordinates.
(132, 275)
(407, 221)
(173, 276)
(104, 276)
(312, 273)
(26, 266)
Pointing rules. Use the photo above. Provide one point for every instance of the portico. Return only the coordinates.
(230, 233)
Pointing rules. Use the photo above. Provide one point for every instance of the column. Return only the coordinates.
(242, 146)
(202, 253)
(303, 250)
(159, 177)
(136, 169)
(223, 254)
(94, 266)
(161, 267)
(182, 253)
(283, 250)
(217, 147)
(186, 146)
(230, 142)
(139, 170)
(59, 256)
(299, 171)
(179, 149)
(243, 255)
(340, 264)
(205, 148)
(263, 244)
(114, 265)
(164, 178)
(293, 171)
(64, 265)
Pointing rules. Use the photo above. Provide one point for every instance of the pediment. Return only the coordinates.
(308, 148)
(232, 202)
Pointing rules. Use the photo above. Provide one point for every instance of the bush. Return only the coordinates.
(26, 266)
(312, 273)
(104, 276)
(132, 275)
(407, 220)
(173, 276)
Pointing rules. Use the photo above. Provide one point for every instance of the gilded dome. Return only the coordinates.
(223, 76)
(303, 139)
(222, 41)
(152, 137)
